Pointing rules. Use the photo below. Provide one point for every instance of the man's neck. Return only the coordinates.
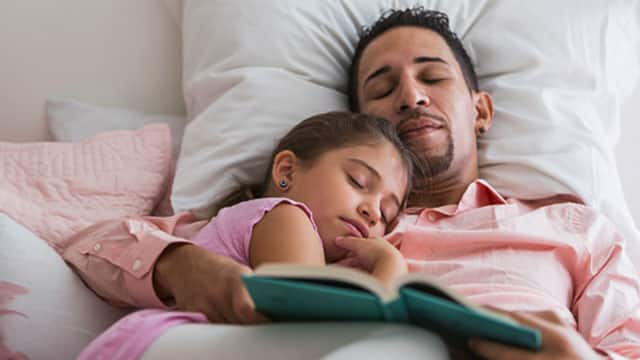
(441, 190)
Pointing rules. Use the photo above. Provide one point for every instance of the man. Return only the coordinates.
(411, 69)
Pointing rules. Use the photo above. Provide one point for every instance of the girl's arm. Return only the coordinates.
(285, 234)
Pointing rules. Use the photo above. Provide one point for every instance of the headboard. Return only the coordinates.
(128, 54)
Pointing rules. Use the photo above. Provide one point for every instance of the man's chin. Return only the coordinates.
(427, 151)
(432, 161)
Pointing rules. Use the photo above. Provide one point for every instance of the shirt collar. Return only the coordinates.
(478, 194)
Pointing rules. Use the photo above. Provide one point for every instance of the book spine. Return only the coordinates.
(395, 311)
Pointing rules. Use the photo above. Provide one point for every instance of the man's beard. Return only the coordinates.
(434, 165)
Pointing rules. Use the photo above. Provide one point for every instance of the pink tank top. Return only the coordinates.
(229, 233)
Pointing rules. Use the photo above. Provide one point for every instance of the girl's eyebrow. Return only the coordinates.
(376, 174)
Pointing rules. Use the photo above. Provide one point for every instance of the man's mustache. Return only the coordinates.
(418, 113)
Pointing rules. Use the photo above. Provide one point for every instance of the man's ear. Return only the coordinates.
(283, 169)
(484, 111)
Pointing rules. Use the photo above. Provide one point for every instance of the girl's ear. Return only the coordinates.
(484, 111)
(284, 167)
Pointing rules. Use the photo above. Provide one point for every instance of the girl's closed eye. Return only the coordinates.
(355, 182)
(384, 217)
(388, 214)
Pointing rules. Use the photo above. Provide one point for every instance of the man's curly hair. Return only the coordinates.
(416, 16)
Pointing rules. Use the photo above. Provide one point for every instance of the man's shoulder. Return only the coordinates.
(558, 199)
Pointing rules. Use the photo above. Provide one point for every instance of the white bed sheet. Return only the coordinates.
(60, 314)
(298, 341)
(627, 153)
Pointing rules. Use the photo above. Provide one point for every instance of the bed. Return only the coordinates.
(72, 71)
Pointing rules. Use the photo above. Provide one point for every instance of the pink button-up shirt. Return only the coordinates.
(509, 254)
(564, 257)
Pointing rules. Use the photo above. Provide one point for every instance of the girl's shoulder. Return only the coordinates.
(256, 209)
(263, 204)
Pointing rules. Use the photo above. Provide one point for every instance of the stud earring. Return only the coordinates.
(482, 130)
(283, 184)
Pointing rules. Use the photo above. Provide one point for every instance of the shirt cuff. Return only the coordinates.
(140, 284)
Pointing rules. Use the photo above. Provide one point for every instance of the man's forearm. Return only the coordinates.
(167, 269)
(116, 259)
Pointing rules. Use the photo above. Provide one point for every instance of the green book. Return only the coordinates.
(290, 292)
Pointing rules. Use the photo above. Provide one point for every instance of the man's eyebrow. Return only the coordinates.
(382, 70)
(419, 60)
(376, 174)
(423, 59)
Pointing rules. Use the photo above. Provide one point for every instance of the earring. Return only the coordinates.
(283, 184)
(482, 130)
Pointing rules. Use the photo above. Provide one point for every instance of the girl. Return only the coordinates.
(335, 174)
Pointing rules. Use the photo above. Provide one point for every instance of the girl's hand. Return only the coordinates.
(374, 255)
(559, 340)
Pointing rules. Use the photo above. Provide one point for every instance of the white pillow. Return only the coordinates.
(73, 121)
(557, 71)
(60, 315)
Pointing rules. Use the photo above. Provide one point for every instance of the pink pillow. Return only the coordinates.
(57, 189)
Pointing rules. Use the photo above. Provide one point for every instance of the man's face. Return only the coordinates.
(411, 77)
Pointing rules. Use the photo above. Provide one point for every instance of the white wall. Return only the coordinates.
(38, 37)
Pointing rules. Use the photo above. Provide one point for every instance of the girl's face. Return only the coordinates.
(352, 191)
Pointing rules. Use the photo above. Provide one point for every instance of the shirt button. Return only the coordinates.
(97, 247)
(432, 216)
(136, 265)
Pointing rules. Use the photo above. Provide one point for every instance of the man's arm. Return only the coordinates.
(559, 341)
(606, 303)
(115, 258)
(124, 261)
(607, 293)
(198, 280)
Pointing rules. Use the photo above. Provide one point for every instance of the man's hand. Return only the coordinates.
(559, 341)
(204, 282)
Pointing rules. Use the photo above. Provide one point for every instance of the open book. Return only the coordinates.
(290, 292)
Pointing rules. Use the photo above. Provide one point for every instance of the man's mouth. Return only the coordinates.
(418, 131)
(356, 228)
(418, 126)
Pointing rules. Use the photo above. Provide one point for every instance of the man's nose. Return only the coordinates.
(411, 96)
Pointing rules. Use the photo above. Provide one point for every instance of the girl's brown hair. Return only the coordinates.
(322, 133)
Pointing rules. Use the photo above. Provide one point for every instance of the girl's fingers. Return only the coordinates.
(348, 262)
(351, 243)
